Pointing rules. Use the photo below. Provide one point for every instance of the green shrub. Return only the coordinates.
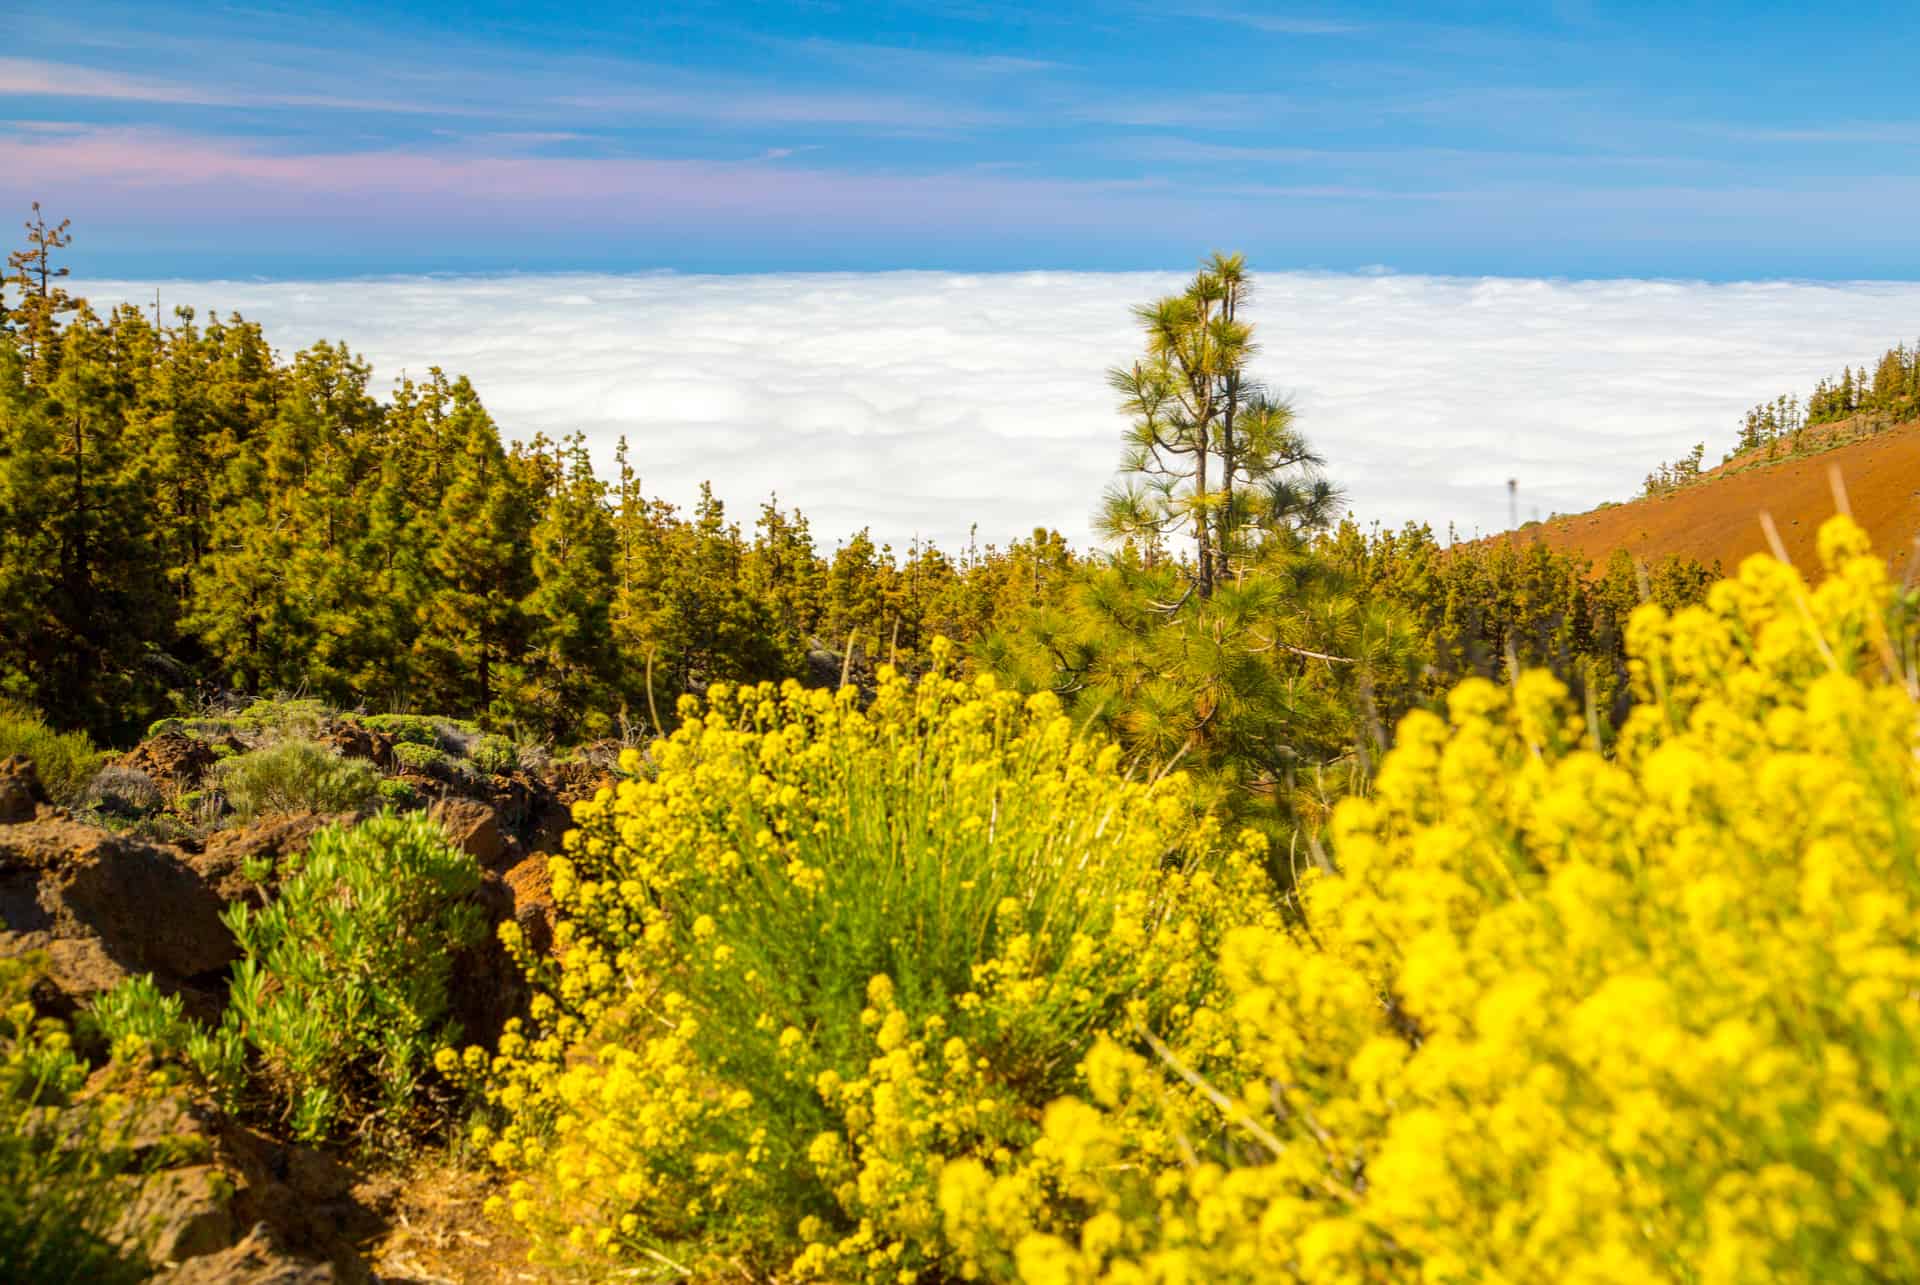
(303, 715)
(340, 997)
(135, 1018)
(495, 755)
(421, 758)
(450, 734)
(408, 729)
(60, 1159)
(397, 794)
(294, 776)
(66, 761)
(165, 727)
(342, 990)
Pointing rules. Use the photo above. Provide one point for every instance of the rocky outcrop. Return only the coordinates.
(257, 1260)
(182, 1213)
(485, 986)
(222, 860)
(104, 907)
(475, 828)
(172, 757)
(350, 740)
(533, 909)
(20, 793)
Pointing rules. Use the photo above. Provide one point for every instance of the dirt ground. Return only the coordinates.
(437, 1234)
(1719, 519)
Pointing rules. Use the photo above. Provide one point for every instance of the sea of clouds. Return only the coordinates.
(924, 403)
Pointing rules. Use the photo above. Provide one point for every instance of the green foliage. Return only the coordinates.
(135, 1019)
(397, 794)
(61, 1158)
(418, 729)
(1475, 607)
(1683, 472)
(495, 755)
(1256, 689)
(65, 761)
(422, 758)
(302, 715)
(294, 776)
(342, 991)
(341, 994)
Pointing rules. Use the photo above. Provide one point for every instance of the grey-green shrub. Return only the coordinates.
(294, 776)
(121, 792)
(408, 729)
(65, 761)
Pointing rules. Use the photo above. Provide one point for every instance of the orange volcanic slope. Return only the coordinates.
(1718, 519)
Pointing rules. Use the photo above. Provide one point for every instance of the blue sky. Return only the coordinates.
(1567, 139)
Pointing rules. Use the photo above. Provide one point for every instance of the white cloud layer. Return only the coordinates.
(920, 403)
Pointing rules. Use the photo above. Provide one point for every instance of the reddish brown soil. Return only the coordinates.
(1718, 518)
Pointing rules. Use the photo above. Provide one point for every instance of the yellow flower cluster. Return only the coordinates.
(813, 960)
(1560, 1015)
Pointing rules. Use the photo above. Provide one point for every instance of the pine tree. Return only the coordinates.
(471, 625)
(1209, 451)
(32, 270)
(571, 653)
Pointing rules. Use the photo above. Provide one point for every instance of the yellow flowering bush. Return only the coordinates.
(814, 956)
(1559, 1016)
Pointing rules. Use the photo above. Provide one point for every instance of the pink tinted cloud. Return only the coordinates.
(165, 168)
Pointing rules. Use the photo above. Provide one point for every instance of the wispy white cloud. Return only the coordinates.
(1199, 110)
(1846, 134)
(38, 78)
(740, 104)
(921, 403)
(901, 58)
(1280, 24)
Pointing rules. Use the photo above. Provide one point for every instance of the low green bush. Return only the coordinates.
(65, 761)
(292, 716)
(397, 794)
(421, 758)
(294, 776)
(408, 729)
(495, 755)
(135, 1019)
(60, 1159)
(343, 986)
(449, 734)
(341, 995)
